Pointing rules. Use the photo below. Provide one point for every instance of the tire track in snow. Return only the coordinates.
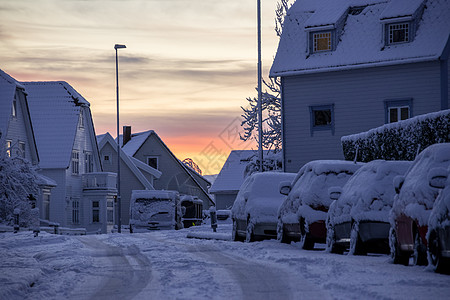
(124, 274)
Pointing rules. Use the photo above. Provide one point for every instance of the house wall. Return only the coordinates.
(58, 203)
(225, 201)
(173, 177)
(358, 97)
(128, 181)
(17, 130)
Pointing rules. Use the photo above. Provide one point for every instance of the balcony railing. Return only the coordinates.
(99, 181)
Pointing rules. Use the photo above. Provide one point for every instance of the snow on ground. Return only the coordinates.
(168, 265)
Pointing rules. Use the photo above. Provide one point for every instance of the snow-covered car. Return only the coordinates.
(254, 212)
(302, 215)
(412, 206)
(438, 235)
(154, 210)
(359, 218)
(192, 211)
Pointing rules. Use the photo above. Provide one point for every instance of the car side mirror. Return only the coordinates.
(285, 187)
(246, 196)
(437, 177)
(398, 183)
(335, 192)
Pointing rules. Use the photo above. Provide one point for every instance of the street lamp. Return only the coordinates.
(119, 204)
(260, 135)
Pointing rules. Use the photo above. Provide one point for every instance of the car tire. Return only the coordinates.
(250, 237)
(420, 256)
(439, 263)
(234, 234)
(308, 242)
(281, 233)
(357, 246)
(331, 243)
(397, 255)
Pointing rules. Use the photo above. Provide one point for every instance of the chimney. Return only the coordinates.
(126, 134)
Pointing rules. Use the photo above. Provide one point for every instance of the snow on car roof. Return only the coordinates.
(153, 194)
(416, 197)
(361, 42)
(369, 189)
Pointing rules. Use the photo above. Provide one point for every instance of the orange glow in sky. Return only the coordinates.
(187, 68)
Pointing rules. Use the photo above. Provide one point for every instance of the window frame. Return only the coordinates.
(88, 162)
(95, 212)
(409, 35)
(75, 162)
(76, 211)
(397, 103)
(152, 157)
(312, 35)
(328, 127)
(22, 149)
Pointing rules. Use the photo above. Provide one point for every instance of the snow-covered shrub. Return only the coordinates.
(398, 141)
(18, 185)
(272, 161)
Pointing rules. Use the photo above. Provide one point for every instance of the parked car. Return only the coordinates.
(192, 211)
(254, 212)
(412, 206)
(302, 215)
(359, 219)
(438, 235)
(154, 210)
(223, 214)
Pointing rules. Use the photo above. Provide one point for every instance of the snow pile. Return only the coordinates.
(416, 197)
(259, 197)
(369, 194)
(309, 196)
(400, 140)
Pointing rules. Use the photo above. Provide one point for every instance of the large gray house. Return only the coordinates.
(348, 66)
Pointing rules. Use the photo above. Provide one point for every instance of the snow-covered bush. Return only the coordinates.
(271, 162)
(18, 185)
(398, 141)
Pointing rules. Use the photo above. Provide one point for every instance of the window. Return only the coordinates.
(110, 211)
(46, 205)
(152, 161)
(8, 148)
(322, 118)
(322, 41)
(397, 110)
(95, 212)
(398, 33)
(21, 149)
(88, 162)
(107, 159)
(75, 211)
(75, 162)
(14, 108)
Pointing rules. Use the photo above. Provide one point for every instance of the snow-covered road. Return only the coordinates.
(167, 265)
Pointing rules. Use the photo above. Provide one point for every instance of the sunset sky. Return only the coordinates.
(187, 69)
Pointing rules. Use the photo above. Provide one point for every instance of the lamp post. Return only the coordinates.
(119, 204)
(260, 150)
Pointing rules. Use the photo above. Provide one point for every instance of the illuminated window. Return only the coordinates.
(14, 108)
(322, 41)
(8, 148)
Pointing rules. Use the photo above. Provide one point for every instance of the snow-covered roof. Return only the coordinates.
(361, 38)
(231, 175)
(54, 109)
(7, 91)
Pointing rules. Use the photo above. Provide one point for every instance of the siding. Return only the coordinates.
(358, 97)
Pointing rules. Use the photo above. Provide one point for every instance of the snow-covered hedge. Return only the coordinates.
(398, 141)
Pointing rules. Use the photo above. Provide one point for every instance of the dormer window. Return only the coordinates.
(398, 33)
(322, 41)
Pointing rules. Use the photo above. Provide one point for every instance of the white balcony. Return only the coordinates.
(99, 181)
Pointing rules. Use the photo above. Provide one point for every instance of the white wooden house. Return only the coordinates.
(68, 152)
(348, 66)
(16, 131)
(148, 148)
(134, 174)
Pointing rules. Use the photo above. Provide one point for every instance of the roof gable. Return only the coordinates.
(361, 40)
(55, 110)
